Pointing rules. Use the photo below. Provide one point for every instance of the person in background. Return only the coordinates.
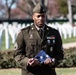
(30, 41)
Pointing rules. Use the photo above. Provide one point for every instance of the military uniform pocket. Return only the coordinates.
(31, 47)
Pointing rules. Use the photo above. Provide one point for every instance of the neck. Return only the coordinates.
(39, 27)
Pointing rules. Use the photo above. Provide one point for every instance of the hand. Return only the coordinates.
(49, 62)
(33, 62)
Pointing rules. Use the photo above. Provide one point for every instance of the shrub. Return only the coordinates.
(69, 58)
(7, 59)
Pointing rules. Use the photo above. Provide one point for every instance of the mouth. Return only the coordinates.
(41, 22)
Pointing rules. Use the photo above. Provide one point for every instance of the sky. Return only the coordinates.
(9, 2)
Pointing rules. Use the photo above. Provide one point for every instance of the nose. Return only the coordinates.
(40, 17)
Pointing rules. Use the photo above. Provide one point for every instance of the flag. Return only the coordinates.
(42, 56)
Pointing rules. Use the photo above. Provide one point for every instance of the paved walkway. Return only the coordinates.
(69, 45)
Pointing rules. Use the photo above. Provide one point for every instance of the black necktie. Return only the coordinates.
(41, 33)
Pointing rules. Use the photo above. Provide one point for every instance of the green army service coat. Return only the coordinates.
(29, 43)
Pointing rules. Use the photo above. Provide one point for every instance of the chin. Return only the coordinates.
(41, 25)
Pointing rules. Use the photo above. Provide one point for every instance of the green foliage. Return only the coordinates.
(63, 7)
(69, 58)
(7, 59)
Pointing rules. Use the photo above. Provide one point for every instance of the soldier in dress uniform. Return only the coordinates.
(29, 43)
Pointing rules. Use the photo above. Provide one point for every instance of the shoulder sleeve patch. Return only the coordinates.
(16, 46)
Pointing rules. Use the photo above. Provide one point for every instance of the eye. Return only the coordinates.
(38, 16)
(43, 16)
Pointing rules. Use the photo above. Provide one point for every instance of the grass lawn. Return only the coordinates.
(10, 72)
(66, 71)
(68, 40)
(59, 71)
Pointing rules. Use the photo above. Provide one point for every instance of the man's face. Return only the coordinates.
(39, 19)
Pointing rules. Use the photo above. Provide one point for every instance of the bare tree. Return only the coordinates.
(9, 6)
(26, 5)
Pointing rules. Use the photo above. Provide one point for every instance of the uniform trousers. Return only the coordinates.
(38, 70)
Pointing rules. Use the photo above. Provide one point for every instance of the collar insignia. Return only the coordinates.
(32, 28)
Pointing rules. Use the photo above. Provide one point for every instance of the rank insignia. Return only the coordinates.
(16, 46)
(31, 36)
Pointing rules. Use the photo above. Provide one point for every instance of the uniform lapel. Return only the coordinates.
(46, 33)
(35, 33)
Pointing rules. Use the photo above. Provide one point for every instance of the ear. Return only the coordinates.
(33, 16)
